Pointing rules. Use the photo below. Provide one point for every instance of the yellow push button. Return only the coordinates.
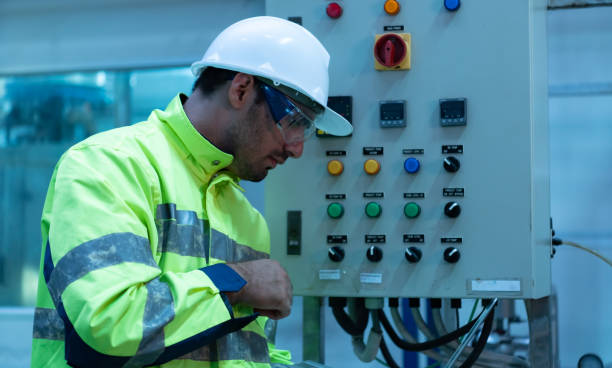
(335, 167)
(371, 167)
(392, 7)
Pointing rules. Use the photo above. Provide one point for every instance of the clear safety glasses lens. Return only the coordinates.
(295, 125)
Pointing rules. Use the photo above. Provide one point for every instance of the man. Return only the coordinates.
(151, 254)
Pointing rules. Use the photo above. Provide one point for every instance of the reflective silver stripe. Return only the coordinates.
(181, 232)
(168, 211)
(270, 330)
(48, 324)
(159, 311)
(226, 249)
(240, 345)
(103, 252)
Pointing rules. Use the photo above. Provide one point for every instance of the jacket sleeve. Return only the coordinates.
(119, 308)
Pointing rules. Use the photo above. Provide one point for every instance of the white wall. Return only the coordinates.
(580, 51)
(62, 35)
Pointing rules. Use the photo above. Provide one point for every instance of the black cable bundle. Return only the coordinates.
(387, 355)
(427, 345)
(344, 320)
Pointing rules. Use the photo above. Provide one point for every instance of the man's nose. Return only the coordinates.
(295, 150)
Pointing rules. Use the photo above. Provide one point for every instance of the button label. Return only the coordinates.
(375, 239)
(414, 238)
(373, 151)
(453, 192)
(454, 148)
(337, 239)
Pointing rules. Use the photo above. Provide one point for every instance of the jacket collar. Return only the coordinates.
(194, 144)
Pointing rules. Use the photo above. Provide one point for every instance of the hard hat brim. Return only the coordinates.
(333, 123)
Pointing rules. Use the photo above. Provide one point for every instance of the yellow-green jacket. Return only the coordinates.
(137, 225)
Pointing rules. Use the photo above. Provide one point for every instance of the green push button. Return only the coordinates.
(412, 210)
(335, 210)
(373, 209)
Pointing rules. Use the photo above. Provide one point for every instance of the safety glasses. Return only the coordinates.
(293, 123)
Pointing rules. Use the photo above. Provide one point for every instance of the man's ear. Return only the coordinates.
(241, 90)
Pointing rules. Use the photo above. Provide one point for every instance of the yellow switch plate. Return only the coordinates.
(405, 64)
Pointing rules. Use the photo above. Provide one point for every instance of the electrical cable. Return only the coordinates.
(356, 328)
(586, 249)
(434, 343)
(421, 324)
(387, 354)
(482, 341)
(471, 314)
(488, 358)
(366, 352)
(399, 325)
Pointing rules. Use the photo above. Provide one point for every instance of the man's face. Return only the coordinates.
(259, 144)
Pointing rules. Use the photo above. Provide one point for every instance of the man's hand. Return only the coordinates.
(268, 289)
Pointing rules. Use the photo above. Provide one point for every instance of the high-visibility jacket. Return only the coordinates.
(137, 225)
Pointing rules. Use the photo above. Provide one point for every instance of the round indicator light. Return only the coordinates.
(412, 165)
(335, 210)
(335, 167)
(412, 210)
(371, 167)
(392, 7)
(373, 209)
(334, 10)
(452, 5)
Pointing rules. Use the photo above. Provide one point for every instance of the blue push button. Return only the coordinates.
(412, 165)
(452, 5)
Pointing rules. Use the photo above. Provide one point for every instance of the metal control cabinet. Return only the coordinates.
(492, 55)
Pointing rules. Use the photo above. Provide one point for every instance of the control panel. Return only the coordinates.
(427, 197)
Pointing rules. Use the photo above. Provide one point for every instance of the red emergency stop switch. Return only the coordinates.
(334, 10)
(392, 51)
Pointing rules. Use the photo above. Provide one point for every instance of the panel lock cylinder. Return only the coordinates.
(374, 254)
(335, 253)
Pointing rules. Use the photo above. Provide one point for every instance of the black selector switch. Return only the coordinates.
(413, 254)
(451, 255)
(452, 209)
(451, 164)
(374, 254)
(336, 253)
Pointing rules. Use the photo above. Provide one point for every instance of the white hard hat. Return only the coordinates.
(281, 51)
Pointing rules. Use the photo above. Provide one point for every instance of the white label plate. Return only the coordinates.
(329, 274)
(496, 285)
(370, 278)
